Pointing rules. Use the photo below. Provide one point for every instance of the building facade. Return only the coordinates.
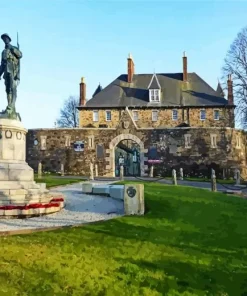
(167, 120)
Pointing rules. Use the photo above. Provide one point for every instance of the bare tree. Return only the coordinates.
(69, 113)
(235, 64)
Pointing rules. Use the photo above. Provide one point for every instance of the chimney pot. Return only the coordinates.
(185, 71)
(230, 90)
(82, 101)
(131, 68)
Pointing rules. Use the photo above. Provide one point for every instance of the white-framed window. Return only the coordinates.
(95, 115)
(67, 140)
(203, 114)
(43, 142)
(213, 141)
(175, 114)
(108, 115)
(187, 141)
(135, 115)
(238, 142)
(216, 114)
(154, 95)
(154, 115)
(91, 142)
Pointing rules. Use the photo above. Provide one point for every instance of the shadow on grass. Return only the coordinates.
(194, 277)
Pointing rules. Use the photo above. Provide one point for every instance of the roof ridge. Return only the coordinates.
(119, 93)
(202, 80)
(103, 89)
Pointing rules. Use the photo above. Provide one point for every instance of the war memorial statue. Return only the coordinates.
(10, 69)
(20, 195)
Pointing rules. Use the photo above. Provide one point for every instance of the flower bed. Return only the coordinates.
(54, 203)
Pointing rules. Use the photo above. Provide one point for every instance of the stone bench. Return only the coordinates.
(101, 190)
(131, 194)
(114, 191)
(117, 191)
(87, 187)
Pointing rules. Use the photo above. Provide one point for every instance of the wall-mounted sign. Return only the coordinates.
(155, 161)
(79, 146)
(153, 153)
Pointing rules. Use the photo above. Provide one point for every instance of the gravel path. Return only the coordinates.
(80, 208)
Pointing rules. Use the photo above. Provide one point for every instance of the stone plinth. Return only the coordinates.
(17, 185)
(134, 199)
(87, 187)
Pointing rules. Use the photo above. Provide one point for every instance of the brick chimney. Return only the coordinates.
(185, 71)
(82, 101)
(230, 90)
(131, 68)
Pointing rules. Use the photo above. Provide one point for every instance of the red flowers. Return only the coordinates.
(59, 199)
(55, 202)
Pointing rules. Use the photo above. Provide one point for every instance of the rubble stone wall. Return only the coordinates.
(194, 149)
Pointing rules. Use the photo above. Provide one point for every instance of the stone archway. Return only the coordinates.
(111, 151)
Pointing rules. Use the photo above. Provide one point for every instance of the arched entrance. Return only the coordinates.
(132, 148)
(127, 154)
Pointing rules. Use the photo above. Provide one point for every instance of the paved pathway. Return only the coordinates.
(80, 208)
(197, 184)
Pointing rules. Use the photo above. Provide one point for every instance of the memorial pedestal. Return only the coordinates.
(20, 195)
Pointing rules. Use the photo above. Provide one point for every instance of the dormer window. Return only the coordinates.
(154, 89)
(154, 95)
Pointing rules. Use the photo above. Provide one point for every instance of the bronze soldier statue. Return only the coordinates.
(10, 68)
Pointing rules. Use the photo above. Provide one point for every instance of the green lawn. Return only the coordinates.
(191, 242)
(52, 180)
(221, 181)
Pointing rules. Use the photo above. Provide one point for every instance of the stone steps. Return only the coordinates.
(15, 185)
(23, 198)
(27, 192)
(30, 212)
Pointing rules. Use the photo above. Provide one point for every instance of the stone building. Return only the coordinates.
(169, 120)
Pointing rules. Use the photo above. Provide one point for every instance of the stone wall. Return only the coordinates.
(189, 115)
(194, 149)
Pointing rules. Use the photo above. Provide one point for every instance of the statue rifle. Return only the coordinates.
(19, 64)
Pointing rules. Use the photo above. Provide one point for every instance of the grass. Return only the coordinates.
(190, 242)
(52, 180)
(220, 181)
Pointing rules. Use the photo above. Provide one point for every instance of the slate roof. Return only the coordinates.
(98, 89)
(219, 90)
(174, 92)
(154, 83)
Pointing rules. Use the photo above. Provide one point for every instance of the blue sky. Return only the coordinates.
(64, 40)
